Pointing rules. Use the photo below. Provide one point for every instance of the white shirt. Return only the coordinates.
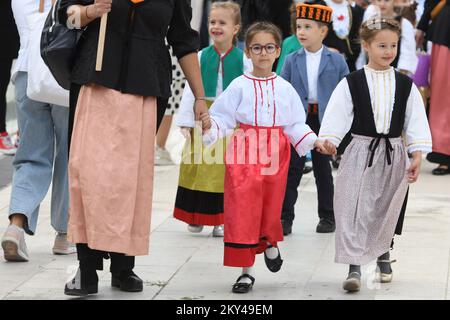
(338, 116)
(312, 67)
(341, 18)
(21, 10)
(261, 102)
(185, 116)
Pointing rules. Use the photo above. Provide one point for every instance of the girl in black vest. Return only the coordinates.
(384, 111)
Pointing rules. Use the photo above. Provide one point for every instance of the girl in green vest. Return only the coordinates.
(199, 200)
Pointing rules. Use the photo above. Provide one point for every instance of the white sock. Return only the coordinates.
(249, 271)
(271, 252)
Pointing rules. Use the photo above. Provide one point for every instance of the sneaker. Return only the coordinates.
(62, 246)
(6, 144)
(384, 272)
(195, 228)
(162, 157)
(218, 231)
(13, 244)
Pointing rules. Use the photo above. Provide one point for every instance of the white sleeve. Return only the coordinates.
(416, 129)
(371, 11)
(338, 116)
(186, 116)
(298, 132)
(223, 114)
(248, 65)
(408, 59)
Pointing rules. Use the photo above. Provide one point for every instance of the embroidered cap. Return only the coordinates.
(315, 12)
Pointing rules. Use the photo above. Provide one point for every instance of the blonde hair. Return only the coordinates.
(235, 11)
(371, 27)
(229, 5)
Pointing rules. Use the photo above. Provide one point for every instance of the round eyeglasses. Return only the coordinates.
(258, 48)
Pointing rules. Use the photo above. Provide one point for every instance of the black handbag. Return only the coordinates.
(58, 46)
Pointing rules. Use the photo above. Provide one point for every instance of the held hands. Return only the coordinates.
(202, 114)
(414, 168)
(206, 121)
(325, 147)
(99, 8)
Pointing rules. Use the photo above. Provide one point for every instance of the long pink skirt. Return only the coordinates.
(439, 116)
(111, 171)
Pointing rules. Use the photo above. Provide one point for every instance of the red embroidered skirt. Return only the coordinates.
(254, 192)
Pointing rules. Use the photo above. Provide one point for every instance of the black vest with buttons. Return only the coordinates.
(364, 120)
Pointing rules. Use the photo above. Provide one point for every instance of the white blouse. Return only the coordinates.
(312, 65)
(338, 116)
(261, 102)
(185, 116)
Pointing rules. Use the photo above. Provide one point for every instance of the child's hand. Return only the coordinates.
(186, 132)
(414, 167)
(206, 121)
(331, 148)
(200, 108)
(318, 146)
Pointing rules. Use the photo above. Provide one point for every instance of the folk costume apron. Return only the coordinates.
(201, 182)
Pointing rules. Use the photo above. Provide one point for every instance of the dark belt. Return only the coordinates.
(313, 108)
(374, 145)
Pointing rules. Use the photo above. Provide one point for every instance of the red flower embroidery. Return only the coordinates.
(341, 17)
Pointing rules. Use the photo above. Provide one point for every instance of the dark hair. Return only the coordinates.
(266, 27)
(371, 27)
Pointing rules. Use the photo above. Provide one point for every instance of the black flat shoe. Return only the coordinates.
(127, 281)
(241, 287)
(325, 226)
(77, 287)
(287, 227)
(274, 265)
(440, 171)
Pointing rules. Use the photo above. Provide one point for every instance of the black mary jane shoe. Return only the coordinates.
(242, 287)
(127, 281)
(77, 287)
(440, 171)
(274, 265)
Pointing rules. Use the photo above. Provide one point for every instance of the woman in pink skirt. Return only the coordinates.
(114, 114)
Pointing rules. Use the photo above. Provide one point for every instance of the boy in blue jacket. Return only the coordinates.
(314, 71)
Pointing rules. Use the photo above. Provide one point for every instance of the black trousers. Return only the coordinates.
(5, 74)
(322, 175)
(93, 259)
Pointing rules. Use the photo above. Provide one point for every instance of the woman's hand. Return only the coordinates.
(98, 9)
(414, 167)
(200, 109)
